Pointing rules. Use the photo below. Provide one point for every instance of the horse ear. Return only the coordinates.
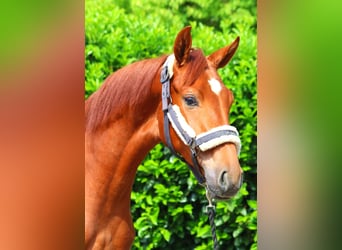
(222, 56)
(182, 45)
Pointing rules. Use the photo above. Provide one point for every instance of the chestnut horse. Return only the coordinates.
(179, 100)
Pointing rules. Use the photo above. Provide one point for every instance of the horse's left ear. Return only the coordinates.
(182, 46)
(222, 56)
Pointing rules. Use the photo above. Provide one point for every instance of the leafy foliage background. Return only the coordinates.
(168, 206)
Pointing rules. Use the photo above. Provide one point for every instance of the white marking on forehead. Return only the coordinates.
(215, 86)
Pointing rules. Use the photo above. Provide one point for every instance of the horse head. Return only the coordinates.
(200, 102)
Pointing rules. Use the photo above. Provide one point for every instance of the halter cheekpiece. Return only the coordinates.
(204, 141)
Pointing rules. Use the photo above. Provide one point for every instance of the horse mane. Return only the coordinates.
(128, 87)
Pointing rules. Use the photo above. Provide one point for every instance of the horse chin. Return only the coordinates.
(217, 195)
(222, 198)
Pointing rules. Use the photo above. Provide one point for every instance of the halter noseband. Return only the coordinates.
(204, 141)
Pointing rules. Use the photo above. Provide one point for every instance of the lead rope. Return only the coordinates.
(211, 214)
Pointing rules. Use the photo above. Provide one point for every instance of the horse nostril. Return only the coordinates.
(223, 180)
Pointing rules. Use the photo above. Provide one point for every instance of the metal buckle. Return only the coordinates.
(210, 206)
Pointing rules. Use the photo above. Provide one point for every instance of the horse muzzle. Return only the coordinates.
(223, 186)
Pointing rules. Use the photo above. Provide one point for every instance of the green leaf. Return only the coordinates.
(254, 246)
(176, 211)
(166, 234)
(252, 204)
(154, 215)
(188, 209)
(237, 232)
(204, 232)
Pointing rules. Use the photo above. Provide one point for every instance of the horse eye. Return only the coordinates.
(190, 101)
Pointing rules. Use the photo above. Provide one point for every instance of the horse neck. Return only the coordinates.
(114, 151)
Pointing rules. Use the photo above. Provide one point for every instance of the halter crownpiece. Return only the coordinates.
(204, 141)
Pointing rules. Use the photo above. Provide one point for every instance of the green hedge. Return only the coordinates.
(167, 203)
